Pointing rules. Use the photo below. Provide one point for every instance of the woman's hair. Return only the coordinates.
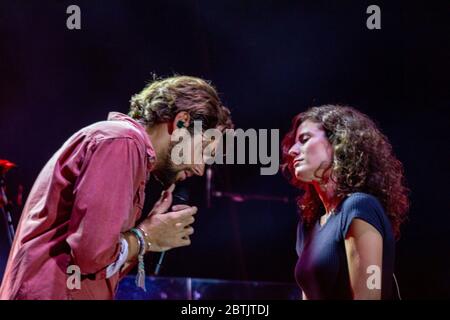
(162, 99)
(363, 161)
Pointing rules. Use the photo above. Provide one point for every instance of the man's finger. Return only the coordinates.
(184, 214)
(188, 221)
(184, 242)
(179, 225)
(188, 231)
(179, 207)
(163, 203)
(171, 188)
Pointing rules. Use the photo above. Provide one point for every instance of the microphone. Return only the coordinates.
(209, 176)
(179, 196)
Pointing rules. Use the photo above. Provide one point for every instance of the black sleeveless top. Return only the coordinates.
(322, 269)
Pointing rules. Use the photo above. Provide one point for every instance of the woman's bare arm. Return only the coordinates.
(364, 250)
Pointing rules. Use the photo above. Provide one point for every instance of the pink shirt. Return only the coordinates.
(90, 191)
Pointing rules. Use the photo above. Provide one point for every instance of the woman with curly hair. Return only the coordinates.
(353, 203)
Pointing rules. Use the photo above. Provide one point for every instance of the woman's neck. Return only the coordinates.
(327, 194)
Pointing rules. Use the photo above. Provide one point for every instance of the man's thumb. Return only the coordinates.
(164, 202)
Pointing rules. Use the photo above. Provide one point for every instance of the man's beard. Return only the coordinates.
(166, 173)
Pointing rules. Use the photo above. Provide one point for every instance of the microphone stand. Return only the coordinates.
(241, 197)
(235, 197)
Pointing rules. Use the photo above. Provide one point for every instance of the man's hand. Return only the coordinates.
(167, 230)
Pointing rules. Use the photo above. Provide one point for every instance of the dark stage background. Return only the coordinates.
(270, 60)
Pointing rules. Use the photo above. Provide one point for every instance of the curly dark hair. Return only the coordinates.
(162, 99)
(363, 161)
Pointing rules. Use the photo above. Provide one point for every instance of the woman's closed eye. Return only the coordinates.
(303, 138)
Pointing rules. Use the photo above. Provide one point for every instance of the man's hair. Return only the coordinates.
(162, 99)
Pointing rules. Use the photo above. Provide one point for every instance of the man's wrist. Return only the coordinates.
(133, 245)
(147, 239)
(140, 277)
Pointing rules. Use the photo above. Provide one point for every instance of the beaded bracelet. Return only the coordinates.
(140, 277)
(145, 239)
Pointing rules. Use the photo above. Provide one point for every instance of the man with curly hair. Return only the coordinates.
(354, 201)
(82, 211)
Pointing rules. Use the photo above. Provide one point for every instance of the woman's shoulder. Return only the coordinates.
(366, 207)
(361, 200)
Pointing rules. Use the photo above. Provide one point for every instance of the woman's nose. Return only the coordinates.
(294, 150)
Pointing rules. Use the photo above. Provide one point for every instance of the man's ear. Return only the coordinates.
(182, 120)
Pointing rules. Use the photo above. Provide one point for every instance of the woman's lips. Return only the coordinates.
(297, 162)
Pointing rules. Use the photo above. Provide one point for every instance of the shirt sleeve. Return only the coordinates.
(104, 194)
(365, 207)
(114, 267)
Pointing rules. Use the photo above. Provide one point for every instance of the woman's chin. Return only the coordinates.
(302, 177)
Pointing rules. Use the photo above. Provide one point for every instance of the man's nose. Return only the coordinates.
(199, 169)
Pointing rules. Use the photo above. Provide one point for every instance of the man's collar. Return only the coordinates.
(117, 116)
